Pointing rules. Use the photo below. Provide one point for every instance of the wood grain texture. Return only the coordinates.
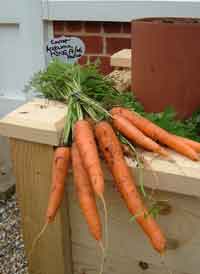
(32, 167)
(38, 121)
(181, 176)
(121, 58)
(129, 249)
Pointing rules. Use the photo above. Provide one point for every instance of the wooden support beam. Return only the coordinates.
(32, 167)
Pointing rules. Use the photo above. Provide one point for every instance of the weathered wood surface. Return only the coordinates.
(129, 249)
(39, 121)
(181, 176)
(121, 58)
(32, 167)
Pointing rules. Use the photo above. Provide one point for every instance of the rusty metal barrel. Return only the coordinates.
(166, 64)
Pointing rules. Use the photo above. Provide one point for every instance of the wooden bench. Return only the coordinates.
(67, 247)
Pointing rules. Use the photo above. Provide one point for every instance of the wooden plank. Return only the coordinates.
(121, 58)
(32, 167)
(129, 249)
(181, 176)
(39, 121)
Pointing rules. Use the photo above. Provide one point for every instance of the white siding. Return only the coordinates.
(21, 47)
(118, 10)
(21, 54)
(10, 79)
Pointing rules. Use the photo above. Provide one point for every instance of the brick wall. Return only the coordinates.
(101, 39)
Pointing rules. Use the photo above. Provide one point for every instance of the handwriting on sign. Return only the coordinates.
(66, 47)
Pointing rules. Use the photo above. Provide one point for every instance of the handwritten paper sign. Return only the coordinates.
(67, 49)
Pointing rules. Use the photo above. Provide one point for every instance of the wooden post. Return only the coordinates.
(32, 164)
(32, 167)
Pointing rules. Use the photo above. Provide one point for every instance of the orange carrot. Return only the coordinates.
(85, 194)
(85, 140)
(60, 168)
(193, 144)
(113, 155)
(157, 133)
(59, 172)
(124, 126)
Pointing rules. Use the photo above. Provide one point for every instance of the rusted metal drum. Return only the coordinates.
(166, 63)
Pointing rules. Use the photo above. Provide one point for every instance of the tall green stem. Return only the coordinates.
(92, 103)
(68, 122)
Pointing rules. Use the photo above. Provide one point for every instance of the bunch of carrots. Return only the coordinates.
(89, 179)
(84, 139)
(88, 175)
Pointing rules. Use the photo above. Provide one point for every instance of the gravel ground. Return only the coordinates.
(12, 257)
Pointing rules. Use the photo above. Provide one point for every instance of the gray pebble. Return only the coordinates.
(12, 256)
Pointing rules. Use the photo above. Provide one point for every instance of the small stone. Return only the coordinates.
(12, 255)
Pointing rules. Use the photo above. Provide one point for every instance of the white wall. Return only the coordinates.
(21, 54)
(10, 79)
(118, 10)
(21, 48)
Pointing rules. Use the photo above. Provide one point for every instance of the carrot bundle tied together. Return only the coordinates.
(85, 194)
(113, 155)
(59, 173)
(157, 133)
